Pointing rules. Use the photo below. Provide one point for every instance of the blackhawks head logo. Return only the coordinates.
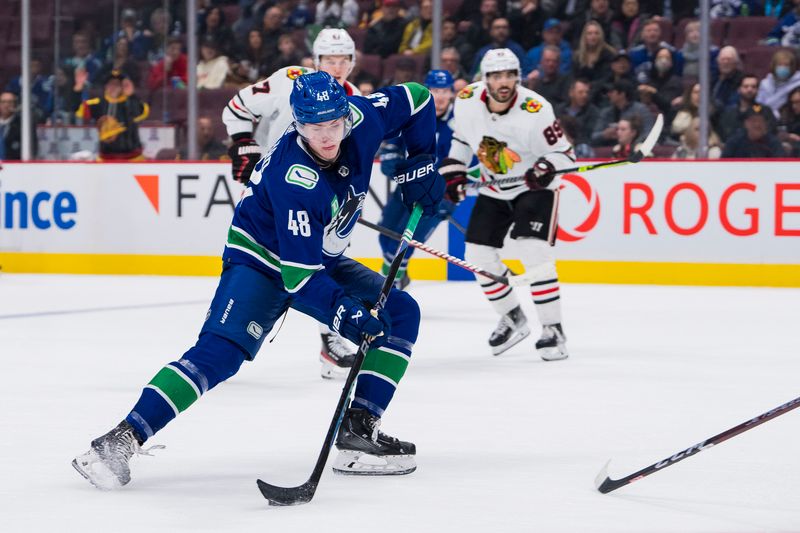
(496, 156)
(295, 72)
(531, 105)
(466, 92)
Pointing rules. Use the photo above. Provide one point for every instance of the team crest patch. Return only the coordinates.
(531, 105)
(466, 92)
(303, 176)
(496, 156)
(294, 73)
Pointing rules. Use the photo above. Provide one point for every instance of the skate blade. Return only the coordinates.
(96, 473)
(518, 337)
(352, 463)
(553, 353)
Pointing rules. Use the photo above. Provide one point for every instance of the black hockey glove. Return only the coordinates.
(420, 183)
(454, 173)
(540, 175)
(244, 155)
(352, 320)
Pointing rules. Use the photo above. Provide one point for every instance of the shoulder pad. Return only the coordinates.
(467, 92)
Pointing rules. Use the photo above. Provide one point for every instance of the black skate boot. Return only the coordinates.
(402, 282)
(512, 328)
(105, 465)
(365, 451)
(552, 345)
(337, 356)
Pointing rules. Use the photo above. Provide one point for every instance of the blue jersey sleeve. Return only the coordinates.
(407, 110)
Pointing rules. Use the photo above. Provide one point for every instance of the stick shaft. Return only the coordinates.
(433, 251)
(612, 484)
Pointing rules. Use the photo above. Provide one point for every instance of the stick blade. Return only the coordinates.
(605, 484)
(646, 148)
(602, 478)
(283, 496)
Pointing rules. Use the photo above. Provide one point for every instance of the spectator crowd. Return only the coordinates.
(608, 67)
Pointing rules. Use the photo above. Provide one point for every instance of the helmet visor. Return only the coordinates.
(331, 131)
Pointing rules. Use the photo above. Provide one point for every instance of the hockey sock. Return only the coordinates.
(181, 383)
(379, 376)
(383, 367)
(387, 261)
(537, 256)
(501, 297)
(547, 297)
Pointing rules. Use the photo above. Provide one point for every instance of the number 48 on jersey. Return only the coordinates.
(300, 224)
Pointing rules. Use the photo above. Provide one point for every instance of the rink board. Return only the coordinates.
(695, 223)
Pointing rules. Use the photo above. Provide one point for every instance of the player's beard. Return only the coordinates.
(504, 97)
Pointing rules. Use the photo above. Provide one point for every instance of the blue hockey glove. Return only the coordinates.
(420, 183)
(352, 320)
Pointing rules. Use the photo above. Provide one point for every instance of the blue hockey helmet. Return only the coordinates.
(317, 97)
(439, 79)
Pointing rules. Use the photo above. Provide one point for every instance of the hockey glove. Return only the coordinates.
(540, 175)
(352, 320)
(420, 183)
(454, 173)
(244, 155)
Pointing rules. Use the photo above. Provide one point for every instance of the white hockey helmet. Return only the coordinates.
(334, 42)
(498, 60)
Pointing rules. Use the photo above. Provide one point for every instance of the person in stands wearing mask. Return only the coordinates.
(783, 77)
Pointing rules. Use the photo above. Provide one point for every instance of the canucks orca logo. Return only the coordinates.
(338, 231)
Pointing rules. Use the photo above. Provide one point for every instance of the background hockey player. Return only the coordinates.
(264, 106)
(395, 216)
(284, 250)
(513, 132)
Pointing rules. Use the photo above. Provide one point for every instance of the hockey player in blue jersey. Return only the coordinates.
(284, 250)
(395, 215)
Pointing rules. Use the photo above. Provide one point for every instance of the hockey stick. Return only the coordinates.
(461, 229)
(376, 198)
(303, 493)
(644, 150)
(381, 206)
(512, 281)
(605, 484)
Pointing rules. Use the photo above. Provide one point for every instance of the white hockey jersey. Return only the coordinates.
(265, 106)
(507, 144)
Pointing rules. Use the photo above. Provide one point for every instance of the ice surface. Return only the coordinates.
(506, 443)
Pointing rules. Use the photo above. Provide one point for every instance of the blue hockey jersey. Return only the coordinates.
(296, 217)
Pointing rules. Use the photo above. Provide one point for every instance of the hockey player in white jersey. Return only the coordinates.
(258, 115)
(514, 133)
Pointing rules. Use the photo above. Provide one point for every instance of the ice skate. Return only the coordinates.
(512, 328)
(337, 356)
(552, 345)
(365, 451)
(402, 282)
(105, 465)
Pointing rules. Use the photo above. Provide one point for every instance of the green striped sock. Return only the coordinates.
(388, 364)
(177, 389)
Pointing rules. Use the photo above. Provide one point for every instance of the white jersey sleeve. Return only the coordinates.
(262, 109)
(507, 144)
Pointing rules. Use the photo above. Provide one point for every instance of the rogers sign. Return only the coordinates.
(686, 208)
